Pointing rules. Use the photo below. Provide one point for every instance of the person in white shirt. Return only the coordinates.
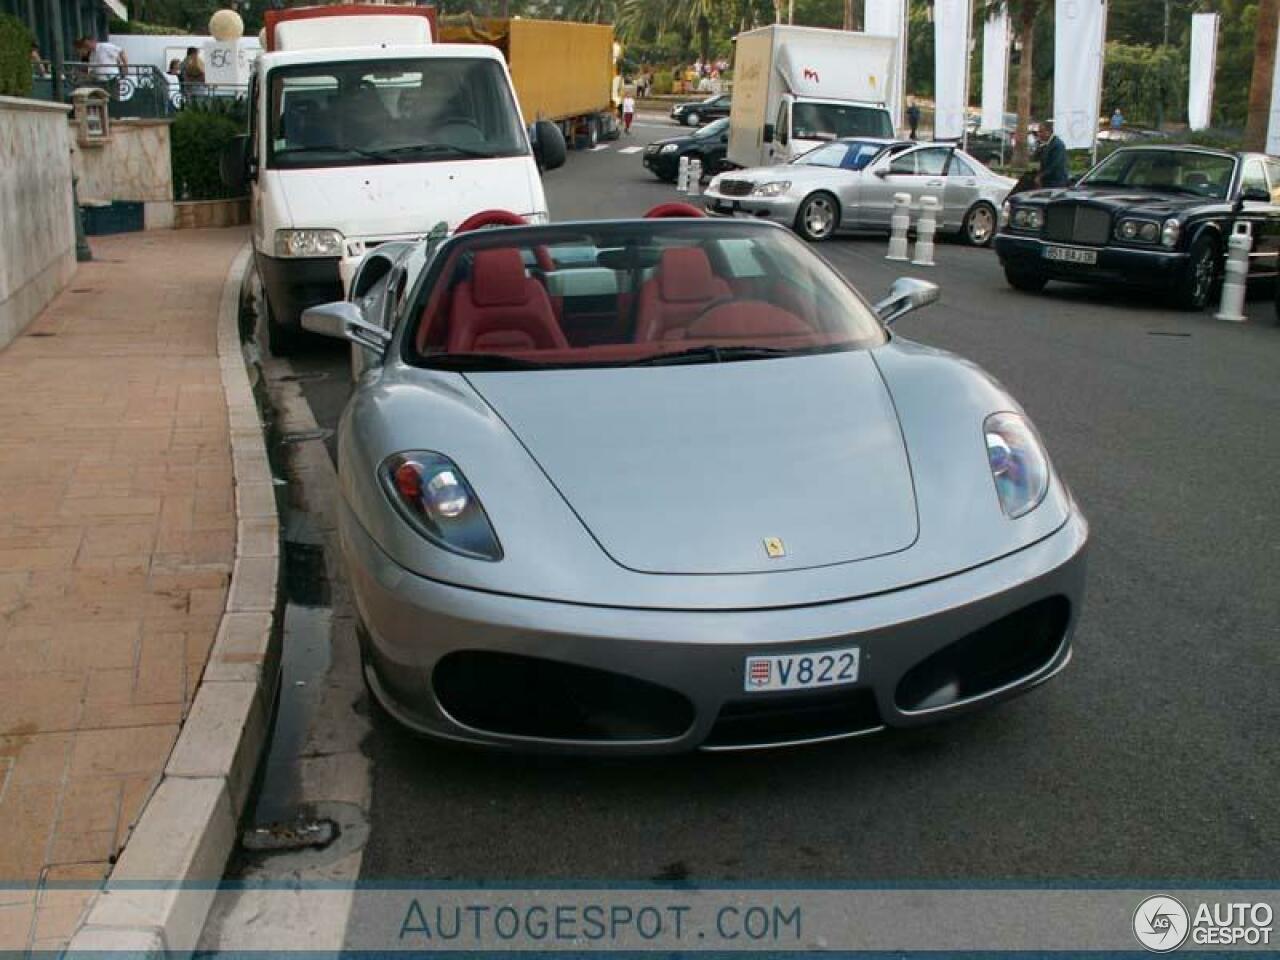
(628, 111)
(105, 59)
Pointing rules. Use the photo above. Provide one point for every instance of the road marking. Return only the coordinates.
(630, 149)
(599, 146)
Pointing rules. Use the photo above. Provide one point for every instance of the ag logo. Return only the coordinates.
(1160, 923)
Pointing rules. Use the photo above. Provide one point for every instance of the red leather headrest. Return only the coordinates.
(497, 278)
(675, 209)
(685, 276)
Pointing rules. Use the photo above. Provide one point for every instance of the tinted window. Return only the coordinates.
(929, 162)
(1174, 171)
(960, 167)
(1254, 178)
(832, 121)
(831, 155)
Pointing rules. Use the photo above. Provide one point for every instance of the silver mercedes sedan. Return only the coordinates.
(848, 185)
(655, 485)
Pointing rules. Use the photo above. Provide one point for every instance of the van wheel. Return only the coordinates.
(282, 340)
(818, 217)
(593, 131)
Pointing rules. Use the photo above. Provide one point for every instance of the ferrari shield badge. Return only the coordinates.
(774, 548)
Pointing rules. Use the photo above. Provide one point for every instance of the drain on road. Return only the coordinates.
(304, 435)
(305, 579)
(298, 835)
(308, 376)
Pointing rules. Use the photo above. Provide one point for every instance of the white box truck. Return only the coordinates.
(364, 130)
(797, 87)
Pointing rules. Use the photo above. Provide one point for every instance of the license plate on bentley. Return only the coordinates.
(801, 671)
(1070, 255)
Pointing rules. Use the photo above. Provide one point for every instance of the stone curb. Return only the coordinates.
(162, 887)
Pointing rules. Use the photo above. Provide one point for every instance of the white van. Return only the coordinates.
(363, 131)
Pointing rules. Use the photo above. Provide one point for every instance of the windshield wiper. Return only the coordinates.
(712, 354)
(393, 152)
(334, 148)
(477, 361)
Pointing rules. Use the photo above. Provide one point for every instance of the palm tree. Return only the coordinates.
(1023, 14)
(641, 17)
(590, 11)
(1264, 68)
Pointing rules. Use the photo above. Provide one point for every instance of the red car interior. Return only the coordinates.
(500, 308)
(678, 293)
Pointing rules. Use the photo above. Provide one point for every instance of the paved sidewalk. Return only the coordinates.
(117, 536)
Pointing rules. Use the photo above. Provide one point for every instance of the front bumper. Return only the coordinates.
(776, 209)
(420, 636)
(292, 285)
(665, 165)
(1124, 265)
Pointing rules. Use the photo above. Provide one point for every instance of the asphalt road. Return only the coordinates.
(1154, 756)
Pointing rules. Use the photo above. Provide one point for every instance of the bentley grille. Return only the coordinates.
(1077, 223)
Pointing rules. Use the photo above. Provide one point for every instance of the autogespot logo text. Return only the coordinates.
(1160, 923)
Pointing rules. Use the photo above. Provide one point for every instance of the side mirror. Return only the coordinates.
(548, 145)
(344, 321)
(1255, 195)
(235, 164)
(905, 295)
(881, 172)
(768, 133)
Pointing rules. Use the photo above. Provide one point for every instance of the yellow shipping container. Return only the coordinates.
(561, 69)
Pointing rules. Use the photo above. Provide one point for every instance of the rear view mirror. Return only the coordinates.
(344, 321)
(905, 295)
(1255, 195)
(768, 133)
(548, 145)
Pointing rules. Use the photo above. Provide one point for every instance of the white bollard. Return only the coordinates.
(695, 177)
(899, 224)
(682, 177)
(926, 227)
(1235, 273)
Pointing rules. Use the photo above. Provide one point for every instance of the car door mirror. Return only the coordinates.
(768, 133)
(905, 295)
(548, 145)
(1255, 195)
(344, 321)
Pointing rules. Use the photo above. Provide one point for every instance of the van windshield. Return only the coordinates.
(391, 111)
(832, 121)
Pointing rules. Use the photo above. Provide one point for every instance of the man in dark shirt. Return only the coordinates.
(1053, 156)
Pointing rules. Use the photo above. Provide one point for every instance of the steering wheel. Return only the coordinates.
(505, 218)
(675, 209)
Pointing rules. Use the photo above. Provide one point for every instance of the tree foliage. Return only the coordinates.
(15, 57)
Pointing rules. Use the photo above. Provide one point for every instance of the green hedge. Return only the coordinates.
(15, 57)
(663, 82)
(197, 139)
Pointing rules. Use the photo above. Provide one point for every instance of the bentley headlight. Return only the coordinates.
(1027, 218)
(431, 493)
(1170, 232)
(308, 243)
(1146, 231)
(669, 148)
(772, 189)
(1018, 463)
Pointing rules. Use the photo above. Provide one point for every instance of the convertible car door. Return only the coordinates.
(917, 172)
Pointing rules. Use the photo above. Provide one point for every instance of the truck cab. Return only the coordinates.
(803, 123)
(365, 131)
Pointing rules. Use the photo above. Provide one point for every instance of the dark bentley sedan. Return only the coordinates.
(707, 144)
(1156, 217)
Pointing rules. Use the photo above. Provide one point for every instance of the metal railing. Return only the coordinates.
(134, 91)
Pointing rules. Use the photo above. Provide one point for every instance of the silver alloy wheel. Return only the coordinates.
(818, 217)
(979, 225)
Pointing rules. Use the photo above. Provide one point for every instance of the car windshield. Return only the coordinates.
(832, 121)
(712, 130)
(849, 154)
(1168, 171)
(639, 293)
(391, 111)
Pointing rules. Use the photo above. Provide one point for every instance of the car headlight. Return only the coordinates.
(669, 148)
(308, 243)
(431, 493)
(1145, 231)
(1027, 218)
(1004, 213)
(1018, 463)
(1170, 232)
(771, 189)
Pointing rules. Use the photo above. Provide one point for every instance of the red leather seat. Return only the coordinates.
(499, 308)
(683, 288)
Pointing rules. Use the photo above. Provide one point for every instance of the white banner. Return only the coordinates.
(995, 69)
(950, 67)
(1273, 121)
(1204, 58)
(889, 18)
(1080, 29)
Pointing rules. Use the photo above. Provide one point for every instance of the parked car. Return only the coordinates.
(652, 485)
(707, 144)
(697, 113)
(850, 184)
(1156, 217)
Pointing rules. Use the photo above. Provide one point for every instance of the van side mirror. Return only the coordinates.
(548, 145)
(235, 166)
(768, 133)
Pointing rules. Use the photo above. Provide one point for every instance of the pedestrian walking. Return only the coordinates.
(107, 62)
(628, 111)
(1053, 156)
(1117, 119)
(913, 118)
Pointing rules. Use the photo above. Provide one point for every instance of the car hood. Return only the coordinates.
(1120, 199)
(691, 469)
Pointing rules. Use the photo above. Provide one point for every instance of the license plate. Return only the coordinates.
(1070, 255)
(801, 671)
(726, 206)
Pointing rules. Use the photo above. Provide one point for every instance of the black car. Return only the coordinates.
(697, 113)
(707, 144)
(1156, 217)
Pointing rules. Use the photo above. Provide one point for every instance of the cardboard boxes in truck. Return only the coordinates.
(797, 87)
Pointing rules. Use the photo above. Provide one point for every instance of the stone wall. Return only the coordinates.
(133, 165)
(37, 229)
